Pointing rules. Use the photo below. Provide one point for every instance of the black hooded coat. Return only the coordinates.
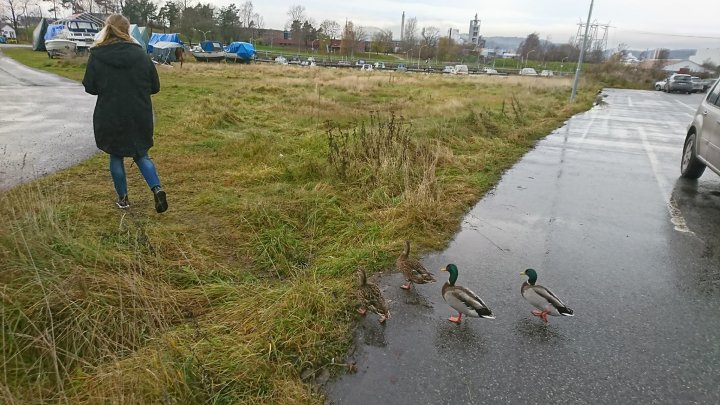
(123, 77)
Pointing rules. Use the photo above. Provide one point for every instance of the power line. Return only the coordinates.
(664, 34)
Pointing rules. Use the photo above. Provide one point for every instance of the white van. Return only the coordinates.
(528, 72)
(461, 70)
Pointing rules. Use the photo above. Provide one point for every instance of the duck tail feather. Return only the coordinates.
(565, 311)
(485, 313)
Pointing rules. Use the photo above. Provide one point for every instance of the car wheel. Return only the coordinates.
(658, 88)
(691, 167)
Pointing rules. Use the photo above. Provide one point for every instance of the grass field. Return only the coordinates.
(282, 181)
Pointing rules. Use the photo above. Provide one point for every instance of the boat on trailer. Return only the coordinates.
(240, 52)
(72, 36)
(208, 51)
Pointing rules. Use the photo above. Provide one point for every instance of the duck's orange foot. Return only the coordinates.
(537, 313)
(544, 315)
(455, 319)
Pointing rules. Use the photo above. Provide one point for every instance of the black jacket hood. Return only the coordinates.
(119, 54)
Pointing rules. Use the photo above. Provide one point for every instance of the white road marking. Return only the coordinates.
(629, 101)
(676, 217)
(691, 108)
(587, 130)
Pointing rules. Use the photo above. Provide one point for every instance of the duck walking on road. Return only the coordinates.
(541, 298)
(413, 270)
(371, 298)
(462, 299)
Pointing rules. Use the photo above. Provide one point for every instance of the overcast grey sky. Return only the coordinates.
(639, 23)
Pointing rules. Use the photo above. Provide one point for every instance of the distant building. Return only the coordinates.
(685, 64)
(474, 31)
(8, 32)
(708, 54)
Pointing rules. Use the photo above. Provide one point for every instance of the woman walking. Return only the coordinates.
(123, 77)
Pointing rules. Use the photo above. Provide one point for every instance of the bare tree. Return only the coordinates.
(295, 13)
(27, 7)
(246, 14)
(329, 31)
(410, 35)
(430, 36)
(330, 28)
(382, 41)
(14, 7)
(250, 20)
(350, 37)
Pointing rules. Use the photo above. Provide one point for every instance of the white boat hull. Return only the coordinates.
(208, 56)
(233, 57)
(58, 48)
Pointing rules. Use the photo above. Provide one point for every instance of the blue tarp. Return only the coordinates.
(244, 50)
(156, 37)
(53, 30)
(211, 46)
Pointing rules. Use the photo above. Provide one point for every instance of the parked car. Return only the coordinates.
(528, 72)
(280, 60)
(702, 142)
(547, 73)
(490, 71)
(707, 83)
(461, 70)
(660, 85)
(343, 63)
(449, 69)
(678, 82)
(697, 84)
(2, 39)
(379, 65)
(295, 60)
(367, 67)
(401, 68)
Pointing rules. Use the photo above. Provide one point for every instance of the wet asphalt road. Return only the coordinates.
(599, 210)
(45, 123)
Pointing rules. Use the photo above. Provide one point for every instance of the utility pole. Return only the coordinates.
(582, 54)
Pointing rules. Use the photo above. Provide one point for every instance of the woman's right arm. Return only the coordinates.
(154, 79)
(89, 80)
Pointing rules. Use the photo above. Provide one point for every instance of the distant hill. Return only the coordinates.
(681, 54)
(507, 43)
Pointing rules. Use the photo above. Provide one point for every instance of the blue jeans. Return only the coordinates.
(144, 163)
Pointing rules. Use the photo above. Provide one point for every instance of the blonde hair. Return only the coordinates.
(116, 29)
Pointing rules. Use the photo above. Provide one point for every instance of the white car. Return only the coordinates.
(528, 72)
(547, 73)
(697, 85)
(449, 69)
(461, 70)
(660, 85)
(368, 67)
(702, 142)
(280, 60)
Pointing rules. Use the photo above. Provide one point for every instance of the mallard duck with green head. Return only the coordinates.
(542, 298)
(371, 298)
(462, 299)
(413, 270)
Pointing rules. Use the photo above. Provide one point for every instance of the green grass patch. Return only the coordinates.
(281, 182)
